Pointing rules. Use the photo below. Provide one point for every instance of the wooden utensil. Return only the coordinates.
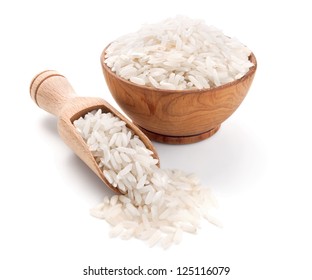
(52, 92)
(178, 116)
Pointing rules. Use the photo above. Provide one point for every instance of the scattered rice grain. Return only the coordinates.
(158, 205)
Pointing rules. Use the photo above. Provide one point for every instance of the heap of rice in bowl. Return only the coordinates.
(178, 54)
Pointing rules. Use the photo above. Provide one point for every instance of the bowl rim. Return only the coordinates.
(250, 72)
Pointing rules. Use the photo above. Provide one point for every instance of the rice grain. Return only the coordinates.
(158, 205)
(156, 53)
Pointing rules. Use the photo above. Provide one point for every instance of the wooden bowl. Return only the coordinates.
(178, 117)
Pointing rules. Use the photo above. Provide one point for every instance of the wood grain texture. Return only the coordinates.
(181, 114)
(52, 92)
(180, 139)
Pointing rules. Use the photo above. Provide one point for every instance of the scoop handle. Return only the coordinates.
(51, 91)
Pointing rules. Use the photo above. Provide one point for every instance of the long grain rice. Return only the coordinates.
(158, 204)
(178, 54)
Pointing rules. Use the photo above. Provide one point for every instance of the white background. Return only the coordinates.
(258, 164)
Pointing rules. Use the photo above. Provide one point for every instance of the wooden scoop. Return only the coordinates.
(52, 92)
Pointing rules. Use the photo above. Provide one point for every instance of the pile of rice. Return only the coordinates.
(177, 54)
(158, 205)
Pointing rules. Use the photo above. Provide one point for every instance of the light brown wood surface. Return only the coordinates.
(52, 92)
(178, 117)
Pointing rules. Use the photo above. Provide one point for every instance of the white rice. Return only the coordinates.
(157, 205)
(178, 54)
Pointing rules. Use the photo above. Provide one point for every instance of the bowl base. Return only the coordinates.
(177, 140)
